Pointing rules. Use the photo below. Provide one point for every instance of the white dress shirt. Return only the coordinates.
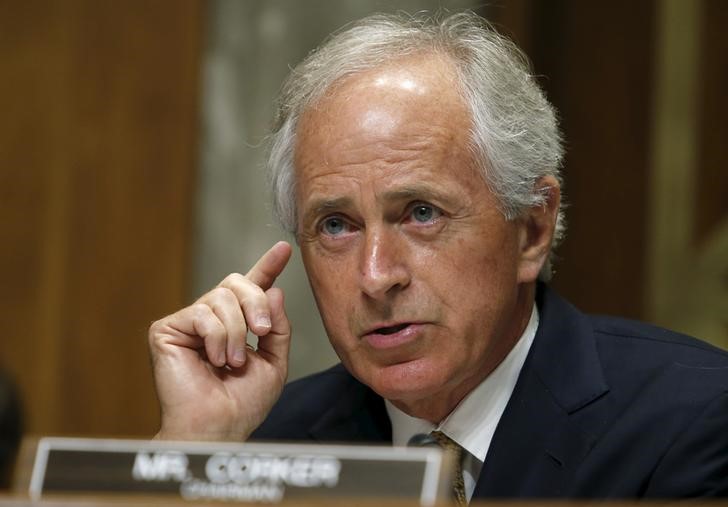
(473, 422)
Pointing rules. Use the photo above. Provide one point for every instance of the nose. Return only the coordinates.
(383, 265)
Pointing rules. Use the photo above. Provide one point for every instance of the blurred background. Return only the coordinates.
(131, 175)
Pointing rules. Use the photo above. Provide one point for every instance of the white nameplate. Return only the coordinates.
(250, 472)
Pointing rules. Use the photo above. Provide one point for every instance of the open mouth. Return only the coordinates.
(391, 329)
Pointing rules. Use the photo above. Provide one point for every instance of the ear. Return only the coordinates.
(537, 230)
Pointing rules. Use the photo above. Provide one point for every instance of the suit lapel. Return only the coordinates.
(545, 431)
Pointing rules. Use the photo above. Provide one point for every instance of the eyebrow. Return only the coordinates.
(323, 205)
(417, 191)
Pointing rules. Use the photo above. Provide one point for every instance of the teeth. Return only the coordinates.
(392, 329)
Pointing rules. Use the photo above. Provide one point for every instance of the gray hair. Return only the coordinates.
(515, 137)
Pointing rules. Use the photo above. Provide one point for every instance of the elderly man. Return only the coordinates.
(416, 162)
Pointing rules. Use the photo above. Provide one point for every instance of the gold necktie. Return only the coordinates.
(458, 485)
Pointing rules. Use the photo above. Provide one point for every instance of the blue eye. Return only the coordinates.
(424, 213)
(333, 226)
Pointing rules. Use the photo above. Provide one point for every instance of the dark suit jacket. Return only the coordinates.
(603, 407)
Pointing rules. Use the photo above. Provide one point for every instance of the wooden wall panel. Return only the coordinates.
(595, 63)
(640, 87)
(712, 185)
(98, 150)
(600, 75)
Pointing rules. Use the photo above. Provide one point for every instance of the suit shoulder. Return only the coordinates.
(678, 371)
(642, 337)
(562, 319)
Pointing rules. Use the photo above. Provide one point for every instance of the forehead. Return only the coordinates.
(411, 88)
(399, 117)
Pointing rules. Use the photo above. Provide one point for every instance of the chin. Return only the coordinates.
(409, 381)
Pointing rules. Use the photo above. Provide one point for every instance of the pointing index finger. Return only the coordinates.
(270, 265)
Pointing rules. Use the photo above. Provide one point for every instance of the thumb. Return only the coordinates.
(275, 345)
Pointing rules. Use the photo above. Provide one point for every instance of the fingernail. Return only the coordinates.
(262, 321)
(239, 355)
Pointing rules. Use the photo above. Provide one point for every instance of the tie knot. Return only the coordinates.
(446, 442)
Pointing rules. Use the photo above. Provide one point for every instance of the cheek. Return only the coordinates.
(473, 281)
(333, 291)
(494, 256)
(331, 279)
(465, 267)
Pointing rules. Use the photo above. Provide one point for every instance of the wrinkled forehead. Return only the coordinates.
(413, 71)
(416, 90)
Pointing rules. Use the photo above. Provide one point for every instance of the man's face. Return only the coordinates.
(416, 273)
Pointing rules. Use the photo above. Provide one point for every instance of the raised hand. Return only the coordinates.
(212, 385)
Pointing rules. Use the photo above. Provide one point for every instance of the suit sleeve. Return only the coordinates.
(696, 464)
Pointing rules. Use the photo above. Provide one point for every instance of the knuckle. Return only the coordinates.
(155, 327)
(233, 280)
(154, 334)
(160, 327)
(221, 296)
(254, 295)
(199, 309)
(201, 313)
(160, 332)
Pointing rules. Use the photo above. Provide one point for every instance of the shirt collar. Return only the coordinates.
(473, 422)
